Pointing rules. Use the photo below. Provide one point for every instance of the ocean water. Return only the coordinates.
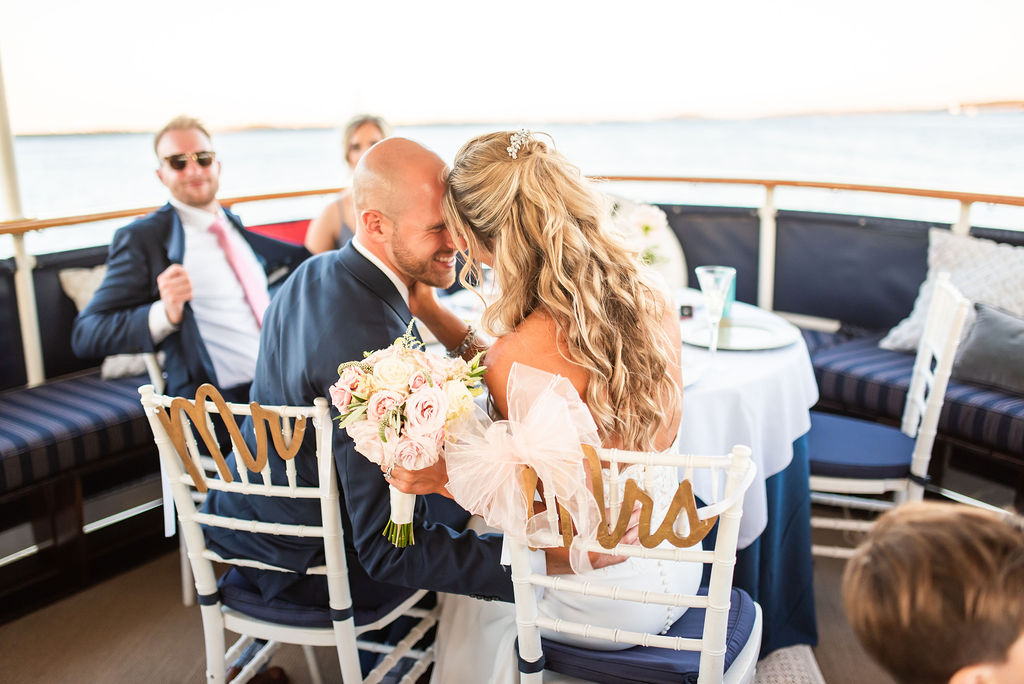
(76, 174)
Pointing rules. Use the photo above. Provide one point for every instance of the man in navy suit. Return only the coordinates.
(176, 281)
(333, 308)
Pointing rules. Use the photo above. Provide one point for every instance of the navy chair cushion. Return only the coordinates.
(64, 424)
(863, 378)
(839, 446)
(655, 665)
(239, 593)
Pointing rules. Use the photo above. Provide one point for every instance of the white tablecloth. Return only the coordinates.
(758, 398)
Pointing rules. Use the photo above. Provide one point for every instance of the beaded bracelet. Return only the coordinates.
(464, 345)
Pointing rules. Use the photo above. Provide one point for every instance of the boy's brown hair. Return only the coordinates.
(936, 588)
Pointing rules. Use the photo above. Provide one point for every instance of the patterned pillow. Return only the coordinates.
(79, 284)
(984, 271)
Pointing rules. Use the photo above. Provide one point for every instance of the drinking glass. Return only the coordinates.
(714, 283)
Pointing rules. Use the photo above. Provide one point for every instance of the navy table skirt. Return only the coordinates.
(776, 569)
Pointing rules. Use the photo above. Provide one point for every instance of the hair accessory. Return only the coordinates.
(518, 140)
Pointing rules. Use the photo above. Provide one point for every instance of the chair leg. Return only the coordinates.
(188, 584)
(312, 664)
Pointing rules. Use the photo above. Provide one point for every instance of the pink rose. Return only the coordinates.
(417, 380)
(425, 411)
(364, 434)
(341, 395)
(350, 376)
(381, 402)
(414, 453)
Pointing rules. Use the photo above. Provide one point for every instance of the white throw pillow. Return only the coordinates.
(80, 284)
(984, 271)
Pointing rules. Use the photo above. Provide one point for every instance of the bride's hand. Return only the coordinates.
(429, 480)
(423, 303)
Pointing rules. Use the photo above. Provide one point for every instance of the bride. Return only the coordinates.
(573, 302)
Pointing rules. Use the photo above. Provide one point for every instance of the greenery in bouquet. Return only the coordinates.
(399, 405)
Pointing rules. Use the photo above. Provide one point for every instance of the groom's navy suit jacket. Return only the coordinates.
(333, 308)
(116, 320)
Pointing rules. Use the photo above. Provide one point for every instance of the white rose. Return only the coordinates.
(393, 373)
(460, 400)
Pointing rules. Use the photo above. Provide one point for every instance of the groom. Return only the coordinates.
(333, 308)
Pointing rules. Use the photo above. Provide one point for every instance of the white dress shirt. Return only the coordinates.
(402, 288)
(226, 322)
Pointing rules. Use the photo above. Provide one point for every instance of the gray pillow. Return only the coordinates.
(993, 352)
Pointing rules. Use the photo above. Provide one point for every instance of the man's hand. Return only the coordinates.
(429, 480)
(175, 289)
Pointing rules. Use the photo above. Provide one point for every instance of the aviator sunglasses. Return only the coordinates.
(180, 161)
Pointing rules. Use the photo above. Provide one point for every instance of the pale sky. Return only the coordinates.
(74, 66)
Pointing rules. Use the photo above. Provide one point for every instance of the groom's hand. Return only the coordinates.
(429, 480)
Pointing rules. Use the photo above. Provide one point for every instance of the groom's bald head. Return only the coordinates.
(398, 188)
(393, 176)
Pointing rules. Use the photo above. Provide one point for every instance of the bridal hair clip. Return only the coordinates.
(518, 140)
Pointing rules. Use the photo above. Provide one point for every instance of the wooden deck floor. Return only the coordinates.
(133, 628)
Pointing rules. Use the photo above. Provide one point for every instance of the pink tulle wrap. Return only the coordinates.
(547, 422)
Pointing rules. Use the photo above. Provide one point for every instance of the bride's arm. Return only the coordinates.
(449, 329)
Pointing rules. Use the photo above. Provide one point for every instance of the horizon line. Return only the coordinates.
(956, 109)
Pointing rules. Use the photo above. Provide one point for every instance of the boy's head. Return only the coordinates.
(936, 594)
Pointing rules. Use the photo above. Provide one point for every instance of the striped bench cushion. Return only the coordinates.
(49, 429)
(817, 340)
(863, 377)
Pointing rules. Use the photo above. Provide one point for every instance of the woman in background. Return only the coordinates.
(336, 224)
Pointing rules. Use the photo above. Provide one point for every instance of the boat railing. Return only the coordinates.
(767, 212)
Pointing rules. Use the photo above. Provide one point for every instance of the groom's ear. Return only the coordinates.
(372, 223)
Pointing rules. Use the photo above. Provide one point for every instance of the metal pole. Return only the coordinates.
(10, 200)
(963, 224)
(10, 209)
(766, 251)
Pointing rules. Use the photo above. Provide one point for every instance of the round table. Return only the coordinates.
(758, 398)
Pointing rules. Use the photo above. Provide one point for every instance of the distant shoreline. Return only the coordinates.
(957, 109)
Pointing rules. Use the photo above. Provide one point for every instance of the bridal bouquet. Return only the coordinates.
(399, 405)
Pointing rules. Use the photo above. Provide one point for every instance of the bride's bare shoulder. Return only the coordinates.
(535, 342)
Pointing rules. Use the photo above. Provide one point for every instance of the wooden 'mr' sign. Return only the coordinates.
(263, 419)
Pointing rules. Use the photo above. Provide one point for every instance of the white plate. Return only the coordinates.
(740, 335)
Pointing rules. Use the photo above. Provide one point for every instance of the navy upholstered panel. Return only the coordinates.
(862, 377)
(860, 270)
(242, 595)
(12, 360)
(55, 326)
(840, 446)
(48, 429)
(645, 664)
(725, 236)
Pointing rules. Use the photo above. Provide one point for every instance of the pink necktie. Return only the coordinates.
(255, 291)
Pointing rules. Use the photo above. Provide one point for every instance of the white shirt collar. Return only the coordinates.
(194, 218)
(399, 285)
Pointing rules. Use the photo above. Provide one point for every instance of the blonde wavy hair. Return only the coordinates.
(553, 249)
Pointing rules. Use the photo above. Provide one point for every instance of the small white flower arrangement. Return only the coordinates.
(646, 228)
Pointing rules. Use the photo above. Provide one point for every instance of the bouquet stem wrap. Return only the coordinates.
(399, 527)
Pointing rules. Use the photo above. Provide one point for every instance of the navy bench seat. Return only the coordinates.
(859, 376)
(67, 423)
